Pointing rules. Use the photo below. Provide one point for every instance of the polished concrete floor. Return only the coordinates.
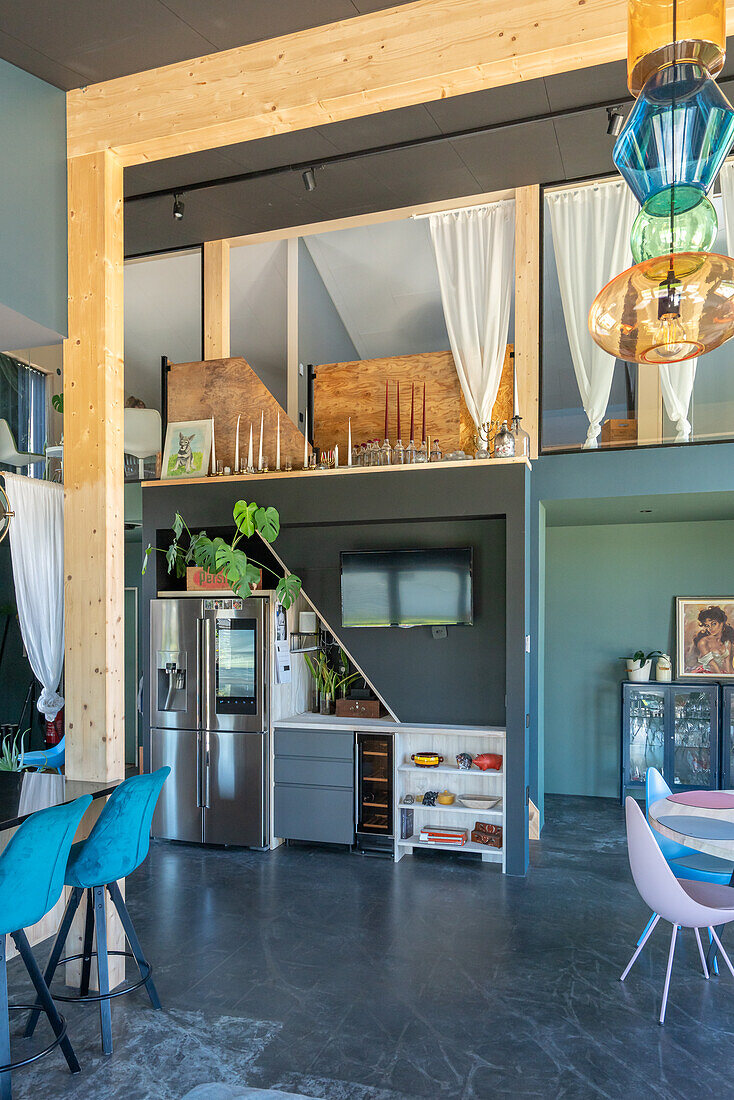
(330, 975)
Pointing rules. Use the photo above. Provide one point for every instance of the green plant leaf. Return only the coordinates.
(178, 525)
(287, 590)
(267, 522)
(148, 552)
(244, 517)
(172, 555)
(58, 402)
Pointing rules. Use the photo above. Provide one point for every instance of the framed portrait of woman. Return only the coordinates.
(705, 637)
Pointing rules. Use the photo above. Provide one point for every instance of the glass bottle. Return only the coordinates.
(421, 455)
(374, 453)
(385, 453)
(436, 455)
(355, 455)
(410, 453)
(504, 442)
(522, 439)
(398, 454)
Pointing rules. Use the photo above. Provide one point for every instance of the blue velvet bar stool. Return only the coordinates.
(31, 880)
(117, 844)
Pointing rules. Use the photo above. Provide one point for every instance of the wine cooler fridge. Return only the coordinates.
(374, 793)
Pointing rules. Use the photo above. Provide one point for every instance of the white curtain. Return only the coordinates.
(676, 383)
(591, 231)
(474, 253)
(37, 551)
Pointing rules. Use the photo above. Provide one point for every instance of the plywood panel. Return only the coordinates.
(224, 389)
(357, 389)
(411, 54)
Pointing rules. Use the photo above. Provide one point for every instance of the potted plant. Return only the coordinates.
(639, 665)
(219, 556)
(328, 681)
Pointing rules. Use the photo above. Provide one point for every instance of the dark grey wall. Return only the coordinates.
(33, 211)
(481, 501)
(458, 679)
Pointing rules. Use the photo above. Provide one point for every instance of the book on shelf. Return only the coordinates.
(439, 835)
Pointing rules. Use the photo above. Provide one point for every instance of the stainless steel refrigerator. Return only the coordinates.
(208, 718)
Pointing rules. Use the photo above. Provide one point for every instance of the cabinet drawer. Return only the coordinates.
(321, 814)
(322, 773)
(318, 743)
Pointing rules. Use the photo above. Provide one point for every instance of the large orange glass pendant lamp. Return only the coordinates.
(666, 309)
(657, 36)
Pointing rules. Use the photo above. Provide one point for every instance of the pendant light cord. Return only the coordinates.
(672, 122)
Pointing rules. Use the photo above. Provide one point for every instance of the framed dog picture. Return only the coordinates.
(705, 637)
(188, 449)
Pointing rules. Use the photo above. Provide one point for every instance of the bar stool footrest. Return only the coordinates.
(91, 998)
(46, 1050)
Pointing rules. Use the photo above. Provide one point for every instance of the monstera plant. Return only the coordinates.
(219, 556)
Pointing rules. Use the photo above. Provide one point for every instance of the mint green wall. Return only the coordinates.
(33, 210)
(610, 590)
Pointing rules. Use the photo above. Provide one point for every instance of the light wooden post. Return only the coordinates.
(216, 300)
(649, 404)
(291, 403)
(93, 477)
(527, 309)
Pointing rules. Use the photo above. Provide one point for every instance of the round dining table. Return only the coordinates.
(703, 820)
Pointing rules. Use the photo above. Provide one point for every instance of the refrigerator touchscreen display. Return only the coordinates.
(236, 688)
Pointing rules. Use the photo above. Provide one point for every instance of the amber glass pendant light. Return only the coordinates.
(700, 35)
(666, 309)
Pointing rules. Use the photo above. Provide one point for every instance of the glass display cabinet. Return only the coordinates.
(671, 727)
(727, 736)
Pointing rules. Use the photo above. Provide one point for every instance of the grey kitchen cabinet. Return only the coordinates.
(314, 785)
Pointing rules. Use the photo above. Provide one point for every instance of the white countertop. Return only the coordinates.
(309, 720)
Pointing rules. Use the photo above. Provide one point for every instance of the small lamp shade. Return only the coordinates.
(666, 309)
(677, 136)
(693, 231)
(700, 35)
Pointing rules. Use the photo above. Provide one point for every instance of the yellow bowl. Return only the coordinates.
(445, 798)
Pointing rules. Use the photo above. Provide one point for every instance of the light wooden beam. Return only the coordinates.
(649, 404)
(414, 53)
(93, 463)
(216, 300)
(527, 310)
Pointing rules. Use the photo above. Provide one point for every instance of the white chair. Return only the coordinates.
(9, 452)
(143, 430)
(686, 904)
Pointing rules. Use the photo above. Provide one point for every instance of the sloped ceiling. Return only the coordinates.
(384, 284)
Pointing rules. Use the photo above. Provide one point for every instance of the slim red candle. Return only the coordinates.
(412, 408)
(386, 399)
(399, 435)
(424, 412)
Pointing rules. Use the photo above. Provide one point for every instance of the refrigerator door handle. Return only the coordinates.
(205, 674)
(198, 769)
(199, 671)
(207, 798)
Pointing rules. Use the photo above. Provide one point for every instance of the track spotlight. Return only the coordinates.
(178, 206)
(309, 179)
(615, 121)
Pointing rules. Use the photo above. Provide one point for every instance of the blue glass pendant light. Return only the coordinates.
(677, 136)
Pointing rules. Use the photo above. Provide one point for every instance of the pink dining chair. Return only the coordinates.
(686, 904)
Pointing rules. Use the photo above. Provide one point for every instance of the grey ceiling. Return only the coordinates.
(99, 39)
(84, 41)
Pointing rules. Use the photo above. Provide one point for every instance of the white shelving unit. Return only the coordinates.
(413, 780)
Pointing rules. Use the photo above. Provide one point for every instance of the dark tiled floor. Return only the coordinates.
(348, 978)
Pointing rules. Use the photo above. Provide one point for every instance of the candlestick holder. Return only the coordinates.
(421, 454)
(410, 453)
(398, 454)
(436, 453)
(385, 453)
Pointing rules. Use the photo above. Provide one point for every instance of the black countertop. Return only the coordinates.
(22, 793)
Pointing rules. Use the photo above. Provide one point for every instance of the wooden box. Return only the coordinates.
(199, 580)
(358, 708)
(618, 431)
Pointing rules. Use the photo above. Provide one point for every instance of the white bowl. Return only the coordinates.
(478, 803)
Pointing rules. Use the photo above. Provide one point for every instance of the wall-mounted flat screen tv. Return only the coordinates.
(407, 587)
